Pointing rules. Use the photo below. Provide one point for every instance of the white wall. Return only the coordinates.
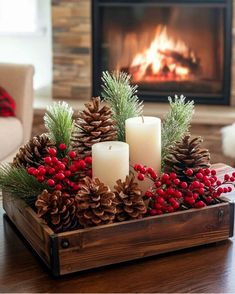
(33, 49)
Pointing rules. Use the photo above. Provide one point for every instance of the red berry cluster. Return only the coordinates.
(62, 173)
(169, 193)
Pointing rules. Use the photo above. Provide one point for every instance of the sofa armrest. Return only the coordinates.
(18, 81)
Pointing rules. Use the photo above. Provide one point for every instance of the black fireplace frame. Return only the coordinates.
(220, 99)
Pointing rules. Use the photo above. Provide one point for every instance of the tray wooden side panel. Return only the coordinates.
(30, 226)
(115, 243)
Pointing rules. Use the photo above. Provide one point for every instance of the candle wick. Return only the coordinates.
(110, 147)
(142, 118)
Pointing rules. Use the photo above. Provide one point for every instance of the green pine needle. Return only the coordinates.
(18, 182)
(58, 120)
(176, 123)
(122, 97)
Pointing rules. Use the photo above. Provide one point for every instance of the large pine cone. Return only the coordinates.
(187, 154)
(58, 210)
(96, 203)
(94, 124)
(130, 201)
(33, 152)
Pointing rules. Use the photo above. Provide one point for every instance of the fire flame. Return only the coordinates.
(165, 59)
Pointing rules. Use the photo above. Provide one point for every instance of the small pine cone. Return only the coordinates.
(187, 154)
(58, 210)
(94, 124)
(130, 201)
(32, 153)
(96, 203)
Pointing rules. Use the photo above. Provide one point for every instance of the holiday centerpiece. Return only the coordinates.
(93, 188)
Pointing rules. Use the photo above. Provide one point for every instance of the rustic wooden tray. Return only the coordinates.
(79, 250)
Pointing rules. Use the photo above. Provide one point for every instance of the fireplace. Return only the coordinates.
(167, 46)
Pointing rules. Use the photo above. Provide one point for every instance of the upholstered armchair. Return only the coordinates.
(15, 131)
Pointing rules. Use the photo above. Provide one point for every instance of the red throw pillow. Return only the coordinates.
(7, 104)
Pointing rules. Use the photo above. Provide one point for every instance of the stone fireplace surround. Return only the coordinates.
(72, 59)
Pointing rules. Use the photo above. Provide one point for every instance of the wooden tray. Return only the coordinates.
(79, 250)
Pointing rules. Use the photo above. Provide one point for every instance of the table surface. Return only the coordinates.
(209, 268)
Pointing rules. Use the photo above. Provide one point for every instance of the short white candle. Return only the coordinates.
(143, 134)
(110, 161)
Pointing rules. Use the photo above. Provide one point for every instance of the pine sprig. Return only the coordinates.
(20, 183)
(122, 97)
(176, 123)
(59, 123)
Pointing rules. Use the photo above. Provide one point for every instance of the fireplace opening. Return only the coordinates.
(167, 46)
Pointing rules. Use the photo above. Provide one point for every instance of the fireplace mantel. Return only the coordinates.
(72, 50)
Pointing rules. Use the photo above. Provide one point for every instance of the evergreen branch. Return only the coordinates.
(58, 120)
(18, 182)
(176, 123)
(122, 97)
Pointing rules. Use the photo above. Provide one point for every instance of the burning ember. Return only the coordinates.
(165, 59)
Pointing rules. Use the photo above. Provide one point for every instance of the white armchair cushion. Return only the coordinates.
(11, 135)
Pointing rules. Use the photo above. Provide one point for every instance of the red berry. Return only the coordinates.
(200, 204)
(170, 208)
(175, 205)
(209, 199)
(67, 173)
(184, 185)
(213, 172)
(47, 160)
(170, 191)
(157, 205)
(153, 175)
(35, 173)
(88, 160)
(178, 194)
(58, 187)
(72, 154)
(160, 200)
(143, 170)
(226, 177)
(160, 192)
(51, 171)
(220, 190)
(62, 146)
(50, 182)
(89, 173)
(201, 185)
(137, 167)
(153, 212)
(148, 194)
(195, 184)
(207, 171)
(76, 187)
(176, 182)
(140, 177)
(165, 177)
(189, 200)
(41, 171)
(199, 176)
(233, 174)
(61, 166)
(52, 151)
(189, 172)
(158, 212)
(158, 184)
(225, 190)
(173, 176)
(218, 183)
(232, 179)
(55, 160)
(31, 170)
(81, 164)
(73, 168)
(60, 176)
(150, 170)
(195, 196)
(65, 160)
(201, 191)
(40, 179)
(208, 183)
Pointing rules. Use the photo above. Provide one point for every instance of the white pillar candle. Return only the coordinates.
(143, 134)
(110, 161)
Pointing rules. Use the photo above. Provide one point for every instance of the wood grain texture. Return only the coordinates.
(118, 242)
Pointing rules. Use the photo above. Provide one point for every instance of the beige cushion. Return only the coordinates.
(11, 135)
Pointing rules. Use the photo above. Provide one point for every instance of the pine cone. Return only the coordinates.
(32, 153)
(130, 201)
(58, 210)
(94, 124)
(96, 203)
(187, 154)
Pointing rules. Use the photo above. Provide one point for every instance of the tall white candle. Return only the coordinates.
(143, 134)
(110, 161)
